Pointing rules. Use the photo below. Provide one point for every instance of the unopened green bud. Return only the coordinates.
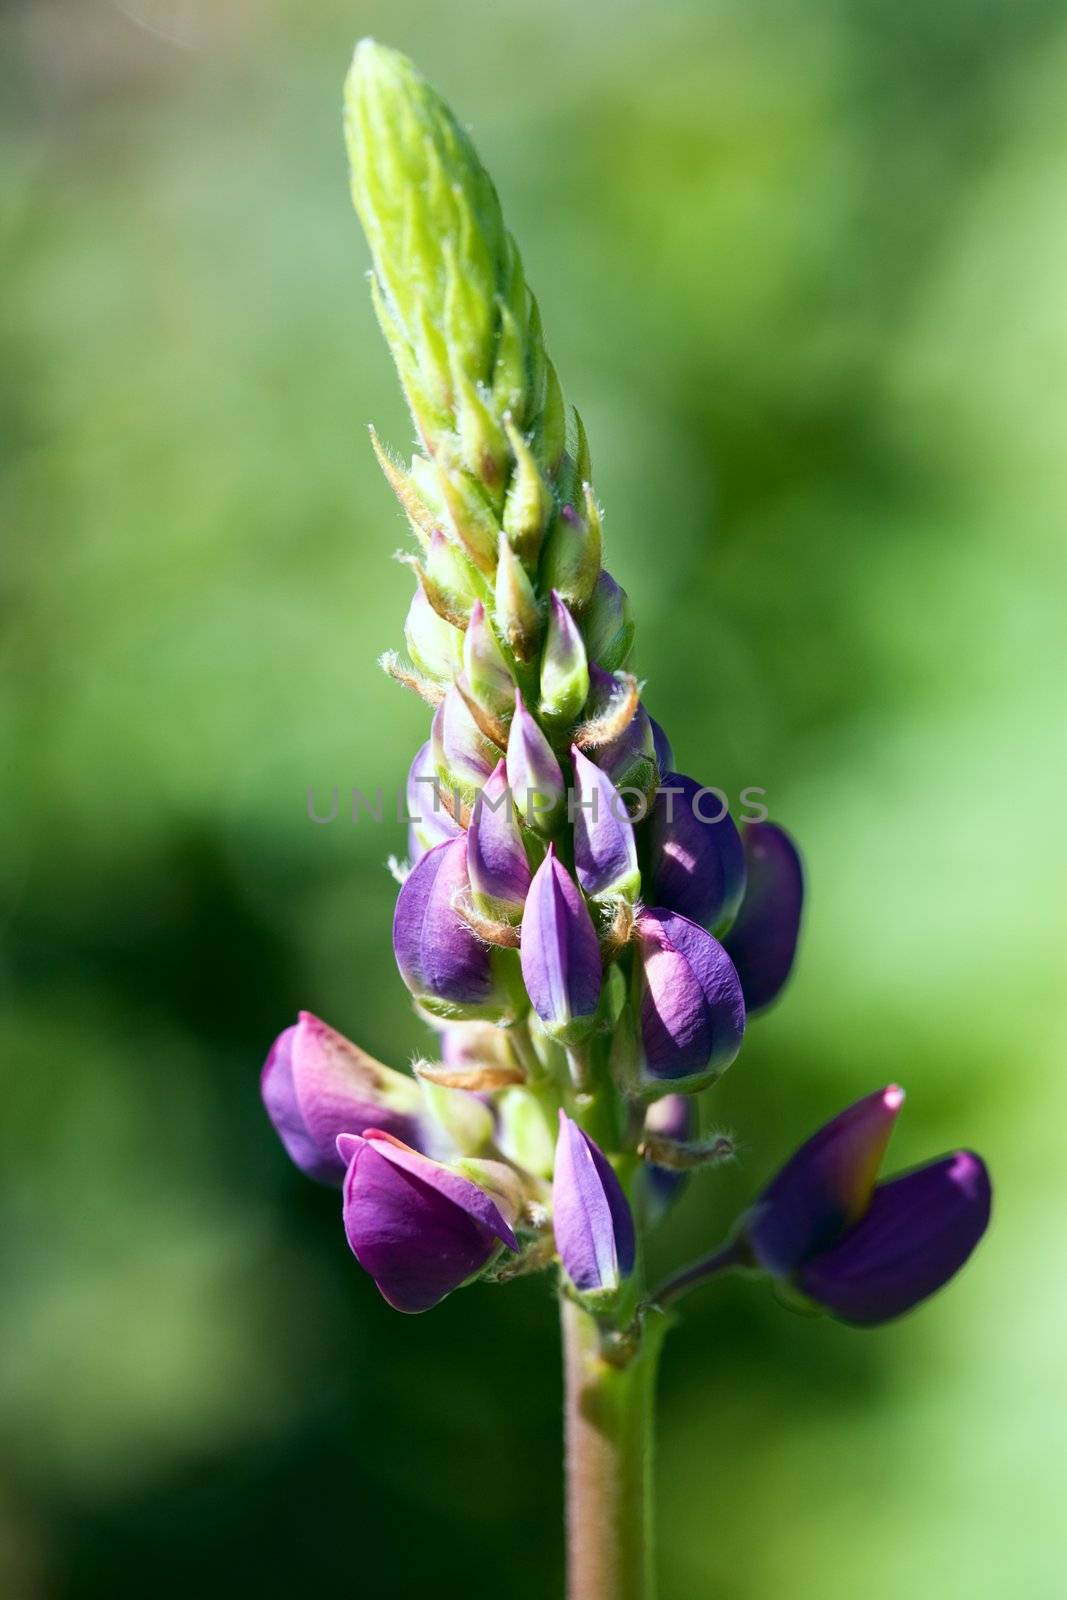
(529, 503)
(488, 676)
(434, 645)
(466, 1120)
(607, 624)
(571, 563)
(517, 615)
(564, 669)
(525, 1133)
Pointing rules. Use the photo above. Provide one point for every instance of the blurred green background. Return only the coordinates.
(802, 268)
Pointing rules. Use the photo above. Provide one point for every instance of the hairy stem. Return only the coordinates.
(608, 1418)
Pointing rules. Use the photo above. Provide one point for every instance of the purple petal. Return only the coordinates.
(559, 950)
(593, 1224)
(763, 940)
(317, 1084)
(608, 625)
(826, 1186)
(430, 822)
(418, 1229)
(534, 774)
(496, 860)
(487, 671)
(919, 1230)
(605, 854)
(697, 859)
(463, 758)
(692, 1012)
(440, 960)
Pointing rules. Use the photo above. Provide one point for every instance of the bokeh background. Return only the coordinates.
(802, 268)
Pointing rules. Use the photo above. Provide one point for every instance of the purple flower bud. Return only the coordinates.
(447, 969)
(463, 757)
(534, 775)
(488, 676)
(591, 1216)
(691, 1013)
(675, 1116)
(696, 857)
(662, 747)
(564, 670)
(496, 860)
(605, 853)
(763, 940)
(417, 1228)
(630, 759)
(317, 1084)
(867, 1253)
(917, 1233)
(431, 823)
(825, 1186)
(608, 625)
(560, 954)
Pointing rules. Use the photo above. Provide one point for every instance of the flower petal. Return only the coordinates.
(496, 859)
(697, 859)
(605, 853)
(690, 1008)
(919, 1230)
(559, 950)
(593, 1224)
(446, 968)
(763, 940)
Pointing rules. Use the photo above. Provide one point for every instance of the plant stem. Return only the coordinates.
(608, 1418)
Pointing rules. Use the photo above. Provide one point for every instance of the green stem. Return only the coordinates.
(608, 1418)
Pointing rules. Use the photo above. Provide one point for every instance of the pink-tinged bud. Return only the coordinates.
(560, 953)
(434, 645)
(418, 1228)
(488, 675)
(496, 860)
(591, 1216)
(605, 852)
(463, 757)
(317, 1084)
(431, 823)
(608, 625)
(448, 970)
(690, 1010)
(564, 670)
(762, 942)
(630, 759)
(534, 775)
(571, 561)
(697, 862)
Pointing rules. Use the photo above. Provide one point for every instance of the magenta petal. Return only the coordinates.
(559, 950)
(605, 853)
(418, 1229)
(763, 940)
(463, 758)
(496, 860)
(825, 1186)
(918, 1232)
(440, 960)
(534, 774)
(691, 1010)
(317, 1084)
(593, 1224)
(697, 861)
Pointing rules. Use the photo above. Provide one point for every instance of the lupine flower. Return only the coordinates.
(763, 940)
(463, 757)
(605, 852)
(534, 775)
(673, 1116)
(434, 645)
(564, 669)
(630, 758)
(560, 953)
(867, 1253)
(590, 1213)
(418, 1228)
(316, 1084)
(697, 862)
(448, 970)
(496, 859)
(431, 822)
(690, 1010)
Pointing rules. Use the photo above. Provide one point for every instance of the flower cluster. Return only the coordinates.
(585, 941)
